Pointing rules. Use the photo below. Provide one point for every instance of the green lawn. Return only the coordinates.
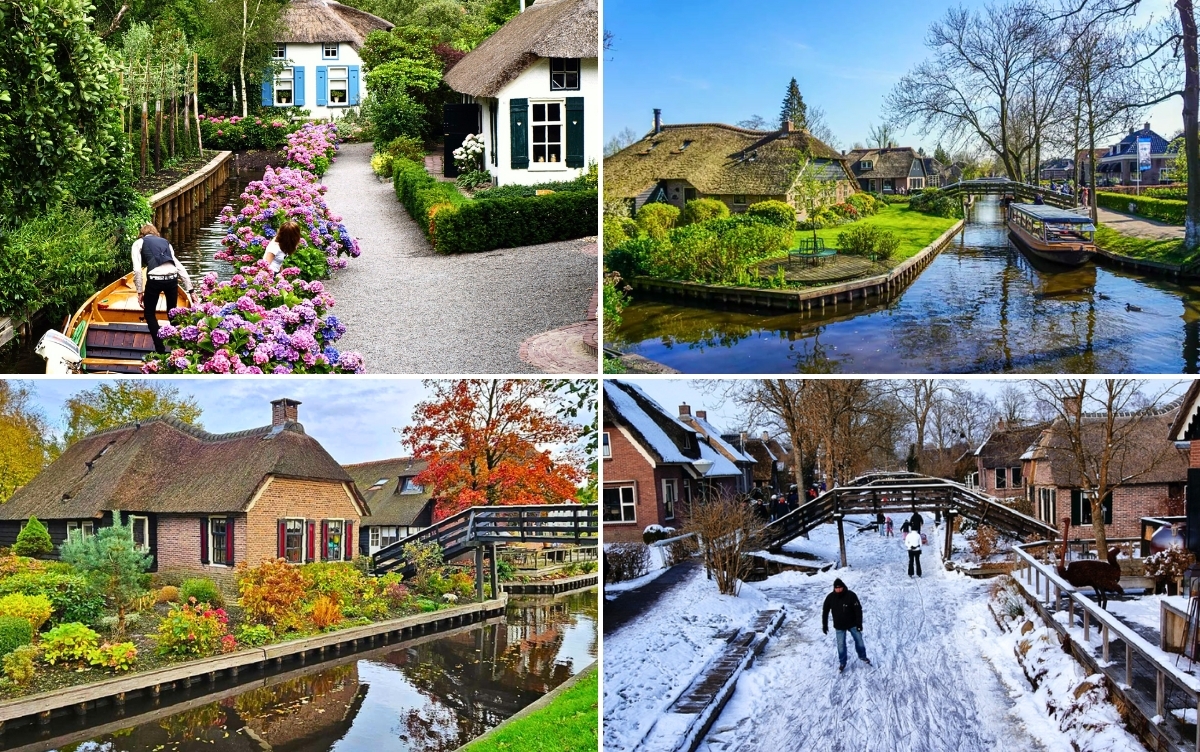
(915, 230)
(1164, 251)
(568, 724)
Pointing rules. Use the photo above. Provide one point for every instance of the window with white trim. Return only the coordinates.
(141, 531)
(339, 85)
(670, 495)
(564, 74)
(620, 504)
(87, 528)
(1014, 476)
(375, 538)
(1001, 478)
(293, 540)
(334, 530)
(607, 446)
(329, 50)
(280, 51)
(218, 529)
(547, 132)
(283, 87)
(866, 164)
(388, 534)
(411, 487)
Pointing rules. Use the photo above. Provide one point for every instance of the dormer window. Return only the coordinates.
(280, 51)
(687, 441)
(685, 145)
(867, 164)
(379, 484)
(564, 74)
(407, 486)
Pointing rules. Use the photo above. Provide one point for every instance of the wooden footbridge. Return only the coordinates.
(1005, 187)
(481, 529)
(903, 493)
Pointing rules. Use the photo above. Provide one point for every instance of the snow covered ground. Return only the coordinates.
(944, 676)
(651, 660)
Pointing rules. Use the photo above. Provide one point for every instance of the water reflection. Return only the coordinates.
(981, 306)
(432, 696)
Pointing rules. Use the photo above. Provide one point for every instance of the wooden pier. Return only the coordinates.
(552, 587)
(181, 199)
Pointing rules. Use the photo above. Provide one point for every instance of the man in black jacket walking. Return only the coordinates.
(847, 617)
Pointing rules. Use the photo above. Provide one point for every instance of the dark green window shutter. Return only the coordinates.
(1077, 511)
(574, 131)
(519, 133)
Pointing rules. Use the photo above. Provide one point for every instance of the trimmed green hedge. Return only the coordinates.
(1163, 210)
(457, 224)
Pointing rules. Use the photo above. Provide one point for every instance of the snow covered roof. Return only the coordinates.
(722, 465)
(715, 438)
(633, 405)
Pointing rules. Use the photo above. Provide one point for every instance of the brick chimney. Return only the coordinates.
(702, 414)
(657, 121)
(788, 126)
(766, 437)
(684, 410)
(285, 411)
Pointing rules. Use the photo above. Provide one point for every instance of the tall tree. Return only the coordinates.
(23, 442)
(496, 441)
(244, 33)
(794, 108)
(1191, 125)
(881, 136)
(113, 403)
(778, 403)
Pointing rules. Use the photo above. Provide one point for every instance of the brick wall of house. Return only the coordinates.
(1194, 454)
(179, 549)
(289, 497)
(627, 466)
(987, 482)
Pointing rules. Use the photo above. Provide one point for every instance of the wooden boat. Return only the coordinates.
(108, 334)
(1052, 234)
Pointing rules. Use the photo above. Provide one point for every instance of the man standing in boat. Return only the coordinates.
(164, 273)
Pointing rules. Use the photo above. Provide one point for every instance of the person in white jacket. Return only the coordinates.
(912, 542)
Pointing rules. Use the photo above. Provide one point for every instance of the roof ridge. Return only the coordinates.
(726, 126)
(380, 462)
(196, 432)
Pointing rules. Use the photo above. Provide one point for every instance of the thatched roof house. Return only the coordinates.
(398, 506)
(319, 21)
(678, 163)
(998, 459)
(894, 170)
(547, 29)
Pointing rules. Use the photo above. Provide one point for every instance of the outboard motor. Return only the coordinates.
(61, 353)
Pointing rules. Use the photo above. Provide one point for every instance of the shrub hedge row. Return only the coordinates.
(1163, 210)
(456, 224)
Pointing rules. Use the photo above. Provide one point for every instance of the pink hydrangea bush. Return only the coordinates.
(312, 147)
(286, 194)
(236, 133)
(257, 322)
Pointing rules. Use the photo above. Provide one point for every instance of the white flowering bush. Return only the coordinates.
(469, 156)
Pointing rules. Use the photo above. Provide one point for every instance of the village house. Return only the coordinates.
(533, 91)
(199, 503)
(998, 466)
(1157, 471)
(1186, 428)
(675, 164)
(317, 50)
(1057, 170)
(745, 463)
(1119, 165)
(773, 468)
(1085, 164)
(655, 465)
(398, 505)
(896, 170)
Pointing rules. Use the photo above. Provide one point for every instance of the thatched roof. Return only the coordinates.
(381, 484)
(1006, 445)
(718, 160)
(163, 465)
(1145, 455)
(895, 163)
(317, 21)
(548, 28)
(1185, 427)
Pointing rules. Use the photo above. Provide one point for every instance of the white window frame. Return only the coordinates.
(1047, 503)
(391, 538)
(280, 52)
(630, 505)
(329, 538)
(134, 519)
(546, 142)
(337, 48)
(212, 543)
(87, 527)
(607, 446)
(670, 489)
(866, 164)
(411, 487)
(329, 86)
(303, 535)
(373, 538)
(287, 75)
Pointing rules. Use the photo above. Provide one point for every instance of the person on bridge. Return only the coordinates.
(793, 499)
(847, 617)
(912, 542)
(916, 521)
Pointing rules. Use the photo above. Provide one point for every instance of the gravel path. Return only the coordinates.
(409, 310)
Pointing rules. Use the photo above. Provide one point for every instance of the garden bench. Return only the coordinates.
(812, 250)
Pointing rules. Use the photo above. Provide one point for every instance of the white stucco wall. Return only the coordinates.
(308, 57)
(534, 84)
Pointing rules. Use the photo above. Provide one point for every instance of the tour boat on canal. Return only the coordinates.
(108, 334)
(1056, 235)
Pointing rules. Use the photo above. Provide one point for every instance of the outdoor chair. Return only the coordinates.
(812, 250)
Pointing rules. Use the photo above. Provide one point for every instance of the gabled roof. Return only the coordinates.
(388, 502)
(548, 28)
(1127, 147)
(165, 466)
(719, 160)
(1005, 446)
(716, 439)
(1185, 427)
(659, 431)
(896, 162)
(1149, 455)
(317, 21)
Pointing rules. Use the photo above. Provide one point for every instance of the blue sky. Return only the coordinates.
(708, 61)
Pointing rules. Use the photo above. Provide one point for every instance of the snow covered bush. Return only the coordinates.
(654, 533)
(625, 561)
(1169, 565)
(312, 147)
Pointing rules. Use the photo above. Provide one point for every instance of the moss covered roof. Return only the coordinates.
(718, 160)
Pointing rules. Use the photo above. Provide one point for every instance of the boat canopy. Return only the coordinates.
(1052, 214)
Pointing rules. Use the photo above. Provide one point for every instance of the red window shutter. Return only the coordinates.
(282, 539)
(324, 539)
(203, 540)
(312, 540)
(348, 554)
(229, 541)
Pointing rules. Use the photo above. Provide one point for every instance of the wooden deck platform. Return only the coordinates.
(552, 587)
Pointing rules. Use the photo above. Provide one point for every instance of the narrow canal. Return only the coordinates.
(980, 306)
(436, 693)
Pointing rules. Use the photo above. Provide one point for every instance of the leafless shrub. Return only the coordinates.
(626, 561)
(728, 531)
(984, 542)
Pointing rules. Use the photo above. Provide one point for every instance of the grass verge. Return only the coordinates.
(569, 723)
(915, 230)
(1163, 251)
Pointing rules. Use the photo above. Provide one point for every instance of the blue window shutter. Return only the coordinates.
(574, 131)
(518, 124)
(268, 94)
(352, 95)
(322, 85)
(298, 85)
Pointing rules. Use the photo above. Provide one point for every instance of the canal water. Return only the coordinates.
(434, 695)
(982, 306)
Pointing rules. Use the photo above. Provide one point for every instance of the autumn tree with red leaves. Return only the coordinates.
(487, 442)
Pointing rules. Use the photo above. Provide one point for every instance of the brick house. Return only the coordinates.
(650, 465)
(1157, 470)
(997, 462)
(773, 467)
(1119, 165)
(199, 502)
(398, 506)
(675, 164)
(744, 462)
(896, 170)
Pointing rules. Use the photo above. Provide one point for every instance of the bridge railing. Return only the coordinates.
(1041, 580)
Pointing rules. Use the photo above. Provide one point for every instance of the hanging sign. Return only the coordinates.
(1143, 152)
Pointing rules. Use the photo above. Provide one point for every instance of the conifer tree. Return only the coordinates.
(794, 108)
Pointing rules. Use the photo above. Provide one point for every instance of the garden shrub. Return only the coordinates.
(633, 258)
(33, 540)
(426, 605)
(615, 299)
(254, 635)
(35, 609)
(865, 240)
(113, 562)
(382, 164)
(486, 224)
(393, 114)
(71, 595)
(68, 642)
(270, 593)
(235, 133)
(191, 631)
(614, 233)
(778, 213)
(119, 657)
(846, 211)
(14, 632)
(587, 567)
(426, 558)
(397, 594)
(702, 210)
(20, 666)
(203, 590)
(655, 533)
(518, 190)
(657, 219)
(325, 612)
(405, 147)
(626, 561)
(419, 192)
(1163, 210)
(168, 594)
(1171, 193)
(935, 202)
(865, 203)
